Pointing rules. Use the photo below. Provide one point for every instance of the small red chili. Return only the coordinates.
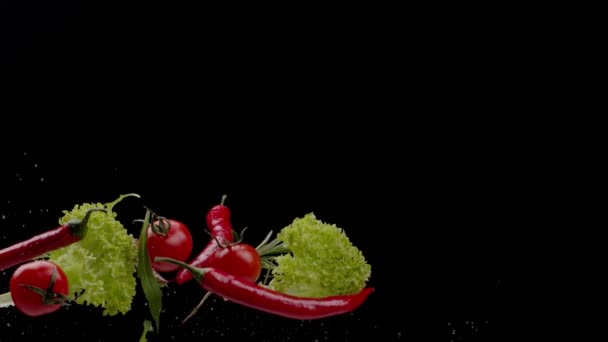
(218, 221)
(250, 294)
(67, 234)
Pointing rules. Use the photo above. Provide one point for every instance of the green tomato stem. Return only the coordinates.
(49, 297)
(162, 227)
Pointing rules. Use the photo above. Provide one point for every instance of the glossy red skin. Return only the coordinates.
(250, 294)
(36, 273)
(241, 260)
(176, 244)
(36, 246)
(218, 221)
(216, 215)
(45, 242)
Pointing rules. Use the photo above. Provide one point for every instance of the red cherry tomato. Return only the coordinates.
(240, 259)
(176, 244)
(38, 274)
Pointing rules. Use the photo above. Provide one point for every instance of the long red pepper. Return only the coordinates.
(250, 294)
(67, 234)
(218, 221)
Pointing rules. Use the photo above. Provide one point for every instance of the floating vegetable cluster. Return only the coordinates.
(313, 269)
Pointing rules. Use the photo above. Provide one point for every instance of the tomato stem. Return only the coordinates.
(219, 243)
(49, 297)
(160, 225)
(239, 236)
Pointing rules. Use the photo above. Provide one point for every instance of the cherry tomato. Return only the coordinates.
(176, 244)
(38, 274)
(240, 259)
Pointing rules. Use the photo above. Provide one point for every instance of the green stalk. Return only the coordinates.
(149, 283)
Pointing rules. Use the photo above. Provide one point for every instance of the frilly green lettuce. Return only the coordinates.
(323, 262)
(101, 267)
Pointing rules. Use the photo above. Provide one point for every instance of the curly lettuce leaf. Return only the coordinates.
(101, 267)
(323, 262)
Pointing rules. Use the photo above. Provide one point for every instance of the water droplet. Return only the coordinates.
(3, 216)
(41, 179)
(35, 165)
(25, 153)
(30, 211)
(8, 324)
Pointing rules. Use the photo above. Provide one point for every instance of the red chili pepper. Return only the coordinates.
(250, 294)
(71, 232)
(218, 221)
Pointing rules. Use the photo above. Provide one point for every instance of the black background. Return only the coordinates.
(334, 112)
(421, 283)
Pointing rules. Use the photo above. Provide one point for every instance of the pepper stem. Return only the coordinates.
(78, 227)
(223, 199)
(197, 272)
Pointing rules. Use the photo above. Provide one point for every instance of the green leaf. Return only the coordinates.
(6, 300)
(101, 267)
(322, 261)
(147, 328)
(149, 283)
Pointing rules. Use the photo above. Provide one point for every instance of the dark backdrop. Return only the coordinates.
(337, 113)
(40, 184)
(425, 276)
